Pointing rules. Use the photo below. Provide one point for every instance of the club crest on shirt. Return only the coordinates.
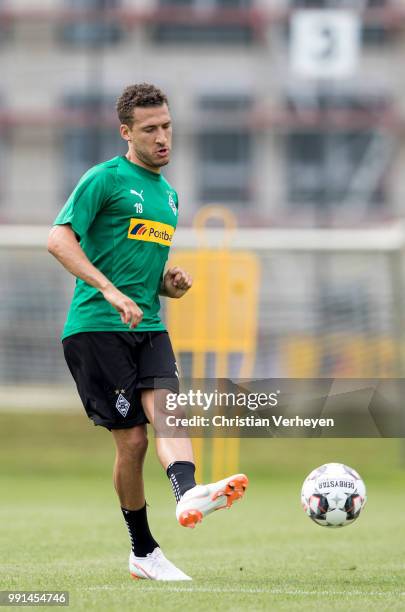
(172, 203)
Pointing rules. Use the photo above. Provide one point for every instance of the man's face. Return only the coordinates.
(150, 136)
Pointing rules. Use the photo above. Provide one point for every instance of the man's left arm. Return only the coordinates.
(175, 283)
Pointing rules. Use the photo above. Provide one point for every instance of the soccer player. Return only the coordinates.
(114, 235)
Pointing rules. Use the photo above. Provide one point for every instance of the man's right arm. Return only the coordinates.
(63, 244)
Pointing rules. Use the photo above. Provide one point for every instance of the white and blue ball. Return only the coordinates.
(333, 495)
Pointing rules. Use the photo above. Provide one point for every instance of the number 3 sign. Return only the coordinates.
(324, 43)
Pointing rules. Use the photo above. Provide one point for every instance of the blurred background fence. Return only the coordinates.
(329, 305)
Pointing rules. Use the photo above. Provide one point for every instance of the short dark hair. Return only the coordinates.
(141, 94)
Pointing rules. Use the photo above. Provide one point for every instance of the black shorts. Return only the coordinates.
(111, 369)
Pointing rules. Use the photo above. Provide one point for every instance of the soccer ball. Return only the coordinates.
(333, 495)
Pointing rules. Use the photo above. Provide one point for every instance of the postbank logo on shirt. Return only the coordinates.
(150, 231)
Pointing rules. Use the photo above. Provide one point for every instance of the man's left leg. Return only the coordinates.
(176, 457)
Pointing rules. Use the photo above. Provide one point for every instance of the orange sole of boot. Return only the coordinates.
(234, 490)
(190, 518)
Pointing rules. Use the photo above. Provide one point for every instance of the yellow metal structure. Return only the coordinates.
(218, 315)
(355, 355)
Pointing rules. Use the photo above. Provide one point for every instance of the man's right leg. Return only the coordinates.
(131, 445)
(146, 559)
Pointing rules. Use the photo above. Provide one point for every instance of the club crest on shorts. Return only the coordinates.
(122, 405)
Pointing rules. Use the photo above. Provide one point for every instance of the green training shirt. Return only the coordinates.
(125, 217)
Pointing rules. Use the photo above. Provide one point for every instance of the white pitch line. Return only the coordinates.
(174, 589)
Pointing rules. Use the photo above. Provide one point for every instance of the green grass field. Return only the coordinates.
(61, 528)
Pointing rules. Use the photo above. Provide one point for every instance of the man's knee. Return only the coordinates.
(138, 447)
(132, 444)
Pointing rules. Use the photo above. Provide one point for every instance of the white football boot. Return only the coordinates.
(154, 566)
(204, 499)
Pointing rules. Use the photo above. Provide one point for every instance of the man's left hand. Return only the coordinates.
(176, 282)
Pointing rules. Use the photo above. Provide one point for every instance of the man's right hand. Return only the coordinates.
(63, 244)
(130, 312)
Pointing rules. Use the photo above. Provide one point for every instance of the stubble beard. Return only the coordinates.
(149, 161)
